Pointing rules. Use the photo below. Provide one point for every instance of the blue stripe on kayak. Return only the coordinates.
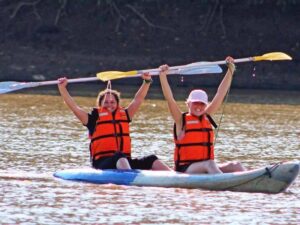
(121, 177)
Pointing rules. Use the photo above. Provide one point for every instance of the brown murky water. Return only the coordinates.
(39, 136)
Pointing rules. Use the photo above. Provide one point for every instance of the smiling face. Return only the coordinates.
(109, 102)
(109, 99)
(196, 108)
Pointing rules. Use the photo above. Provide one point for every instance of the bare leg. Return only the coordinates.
(208, 166)
(232, 167)
(123, 164)
(159, 165)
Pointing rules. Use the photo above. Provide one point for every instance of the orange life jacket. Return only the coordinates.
(111, 134)
(197, 143)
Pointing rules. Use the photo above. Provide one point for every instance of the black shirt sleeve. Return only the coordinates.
(92, 118)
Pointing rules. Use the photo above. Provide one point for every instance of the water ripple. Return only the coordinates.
(39, 136)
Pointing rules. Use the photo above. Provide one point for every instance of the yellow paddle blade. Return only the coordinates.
(272, 56)
(112, 75)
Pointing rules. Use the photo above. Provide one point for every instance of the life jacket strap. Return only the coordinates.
(205, 144)
(112, 121)
(200, 129)
(110, 135)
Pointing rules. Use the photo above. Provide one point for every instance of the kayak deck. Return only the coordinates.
(271, 179)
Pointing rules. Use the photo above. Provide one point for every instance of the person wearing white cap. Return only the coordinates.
(193, 132)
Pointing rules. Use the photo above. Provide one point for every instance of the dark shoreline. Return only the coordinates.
(86, 39)
(247, 96)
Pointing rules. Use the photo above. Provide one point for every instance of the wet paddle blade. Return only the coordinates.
(200, 70)
(10, 86)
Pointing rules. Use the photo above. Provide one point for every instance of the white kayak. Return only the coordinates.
(271, 179)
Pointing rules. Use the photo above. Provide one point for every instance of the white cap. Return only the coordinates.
(198, 96)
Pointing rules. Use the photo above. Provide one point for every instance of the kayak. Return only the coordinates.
(271, 179)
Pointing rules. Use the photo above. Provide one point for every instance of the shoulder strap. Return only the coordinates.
(127, 114)
(211, 121)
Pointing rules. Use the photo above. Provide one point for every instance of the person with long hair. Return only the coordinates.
(109, 128)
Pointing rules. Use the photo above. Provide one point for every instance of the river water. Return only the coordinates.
(39, 136)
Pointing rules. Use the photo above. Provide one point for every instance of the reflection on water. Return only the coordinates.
(39, 136)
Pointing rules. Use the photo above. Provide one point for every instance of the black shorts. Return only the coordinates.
(182, 168)
(143, 163)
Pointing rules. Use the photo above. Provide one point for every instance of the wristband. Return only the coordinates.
(148, 81)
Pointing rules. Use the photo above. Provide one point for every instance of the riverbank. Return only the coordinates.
(44, 40)
(247, 96)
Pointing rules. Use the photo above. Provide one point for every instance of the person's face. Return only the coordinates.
(196, 108)
(109, 102)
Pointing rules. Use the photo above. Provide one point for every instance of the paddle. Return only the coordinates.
(190, 69)
(10, 86)
(272, 56)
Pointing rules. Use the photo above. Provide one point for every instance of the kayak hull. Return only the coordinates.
(271, 179)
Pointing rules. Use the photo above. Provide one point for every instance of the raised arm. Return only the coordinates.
(140, 95)
(173, 107)
(78, 112)
(222, 89)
